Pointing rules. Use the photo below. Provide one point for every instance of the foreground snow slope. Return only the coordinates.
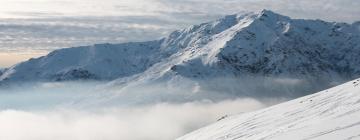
(332, 114)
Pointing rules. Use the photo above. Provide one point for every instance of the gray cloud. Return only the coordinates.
(334, 10)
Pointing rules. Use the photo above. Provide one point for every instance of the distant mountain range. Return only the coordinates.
(241, 46)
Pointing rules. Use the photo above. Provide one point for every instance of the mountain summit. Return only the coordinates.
(261, 44)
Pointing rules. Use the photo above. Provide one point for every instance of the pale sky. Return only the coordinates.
(34, 27)
(338, 10)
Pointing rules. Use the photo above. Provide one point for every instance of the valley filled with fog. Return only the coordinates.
(102, 110)
(84, 110)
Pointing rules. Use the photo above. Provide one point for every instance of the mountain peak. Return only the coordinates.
(268, 14)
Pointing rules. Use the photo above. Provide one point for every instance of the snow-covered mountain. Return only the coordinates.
(262, 44)
(331, 114)
(267, 44)
(99, 62)
(295, 56)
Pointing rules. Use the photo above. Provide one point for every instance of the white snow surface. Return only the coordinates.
(332, 114)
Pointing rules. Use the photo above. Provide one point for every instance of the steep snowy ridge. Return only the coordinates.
(329, 114)
(317, 53)
(272, 44)
(261, 44)
(267, 44)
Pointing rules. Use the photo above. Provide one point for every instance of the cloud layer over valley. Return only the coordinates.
(50, 111)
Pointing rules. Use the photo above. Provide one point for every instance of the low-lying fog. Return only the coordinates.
(83, 110)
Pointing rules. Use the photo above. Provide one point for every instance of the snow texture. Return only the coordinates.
(331, 114)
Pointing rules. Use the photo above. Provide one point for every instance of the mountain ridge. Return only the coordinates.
(259, 43)
(294, 53)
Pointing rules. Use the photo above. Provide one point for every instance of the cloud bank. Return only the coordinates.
(80, 110)
(156, 122)
(339, 10)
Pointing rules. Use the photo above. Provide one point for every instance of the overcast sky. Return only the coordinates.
(338, 10)
(35, 27)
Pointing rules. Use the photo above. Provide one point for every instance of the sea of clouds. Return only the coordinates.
(81, 110)
(84, 110)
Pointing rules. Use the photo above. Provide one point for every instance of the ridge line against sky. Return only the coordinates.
(333, 10)
(30, 28)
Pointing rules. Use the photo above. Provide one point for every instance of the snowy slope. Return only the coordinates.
(332, 114)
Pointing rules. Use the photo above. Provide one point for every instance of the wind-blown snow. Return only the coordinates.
(331, 114)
